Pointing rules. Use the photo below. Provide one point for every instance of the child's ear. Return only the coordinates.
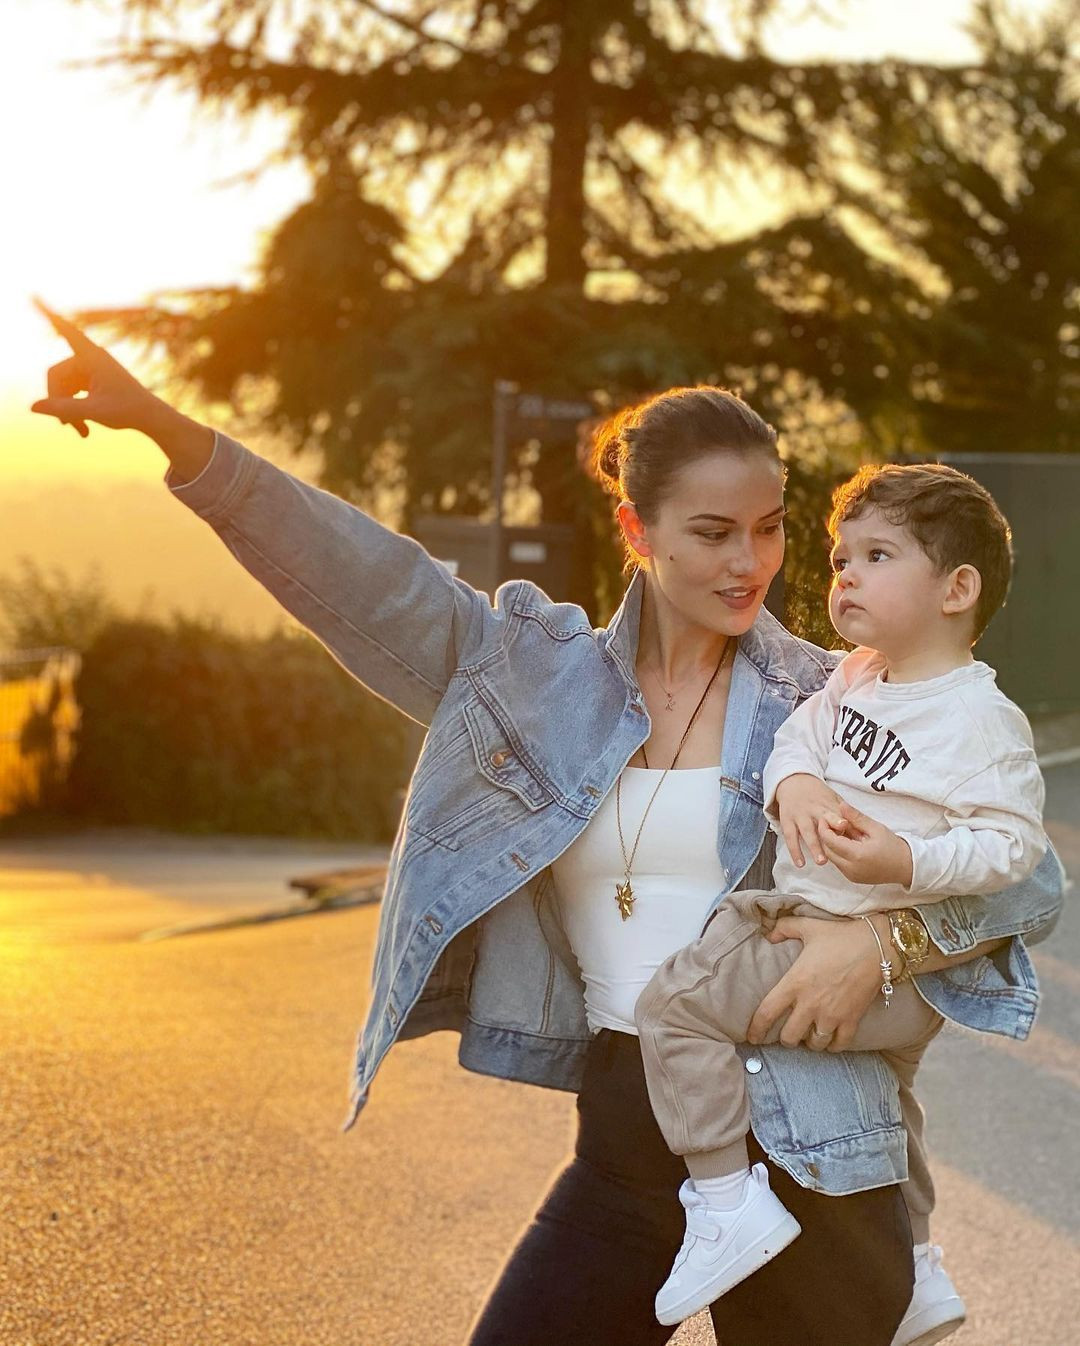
(962, 591)
(632, 527)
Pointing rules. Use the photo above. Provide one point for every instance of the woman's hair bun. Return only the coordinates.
(608, 450)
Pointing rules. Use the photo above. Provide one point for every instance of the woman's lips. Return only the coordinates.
(738, 598)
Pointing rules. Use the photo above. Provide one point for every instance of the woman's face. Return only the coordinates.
(717, 540)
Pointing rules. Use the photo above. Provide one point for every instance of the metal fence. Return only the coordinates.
(38, 719)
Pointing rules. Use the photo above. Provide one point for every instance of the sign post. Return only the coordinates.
(538, 417)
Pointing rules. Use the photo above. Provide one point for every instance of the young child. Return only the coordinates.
(907, 778)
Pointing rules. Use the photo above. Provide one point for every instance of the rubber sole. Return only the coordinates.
(935, 1330)
(785, 1231)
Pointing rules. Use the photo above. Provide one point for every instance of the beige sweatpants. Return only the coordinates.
(699, 1004)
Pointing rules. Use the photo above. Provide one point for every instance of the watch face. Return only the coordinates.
(912, 934)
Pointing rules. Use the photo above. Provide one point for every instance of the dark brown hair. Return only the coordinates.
(637, 452)
(954, 519)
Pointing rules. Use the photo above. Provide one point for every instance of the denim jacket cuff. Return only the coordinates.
(212, 493)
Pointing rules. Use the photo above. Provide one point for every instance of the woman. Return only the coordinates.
(583, 800)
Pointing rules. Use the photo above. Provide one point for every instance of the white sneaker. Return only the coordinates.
(936, 1310)
(723, 1247)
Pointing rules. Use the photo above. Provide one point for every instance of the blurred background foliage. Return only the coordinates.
(191, 728)
(183, 725)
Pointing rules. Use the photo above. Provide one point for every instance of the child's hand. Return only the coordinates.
(802, 799)
(863, 850)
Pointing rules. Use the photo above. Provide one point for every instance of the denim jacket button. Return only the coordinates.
(592, 790)
(949, 930)
(755, 775)
(752, 1065)
(498, 758)
(812, 1169)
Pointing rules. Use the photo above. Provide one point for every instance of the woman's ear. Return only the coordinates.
(962, 590)
(632, 527)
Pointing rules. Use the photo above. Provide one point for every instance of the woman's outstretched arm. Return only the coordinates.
(393, 616)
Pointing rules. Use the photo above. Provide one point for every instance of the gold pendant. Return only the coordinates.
(624, 895)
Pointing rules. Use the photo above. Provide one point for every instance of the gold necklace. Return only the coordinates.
(624, 892)
(668, 693)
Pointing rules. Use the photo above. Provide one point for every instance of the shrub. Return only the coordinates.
(190, 727)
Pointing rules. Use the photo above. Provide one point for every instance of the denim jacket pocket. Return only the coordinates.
(481, 788)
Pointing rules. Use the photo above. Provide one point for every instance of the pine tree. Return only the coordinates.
(984, 189)
(548, 191)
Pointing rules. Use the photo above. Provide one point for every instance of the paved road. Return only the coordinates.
(173, 1171)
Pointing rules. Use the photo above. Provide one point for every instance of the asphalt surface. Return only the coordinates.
(173, 1170)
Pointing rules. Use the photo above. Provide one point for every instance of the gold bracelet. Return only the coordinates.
(885, 964)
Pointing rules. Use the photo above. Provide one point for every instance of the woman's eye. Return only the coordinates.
(772, 529)
(714, 537)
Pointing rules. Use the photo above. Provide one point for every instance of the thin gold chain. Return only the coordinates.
(668, 692)
(624, 891)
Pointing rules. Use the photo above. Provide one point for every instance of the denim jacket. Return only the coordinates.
(532, 715)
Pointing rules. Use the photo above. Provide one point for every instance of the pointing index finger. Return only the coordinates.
(76, 338)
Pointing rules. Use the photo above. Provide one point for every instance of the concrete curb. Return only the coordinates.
(360, 897)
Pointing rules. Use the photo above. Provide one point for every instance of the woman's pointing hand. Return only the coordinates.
(113, 397)
(110, 395)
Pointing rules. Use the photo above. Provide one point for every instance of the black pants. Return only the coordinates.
(586, 1270)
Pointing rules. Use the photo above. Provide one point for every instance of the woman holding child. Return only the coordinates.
(584, 801)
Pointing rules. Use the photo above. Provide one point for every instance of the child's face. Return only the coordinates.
(886, 591)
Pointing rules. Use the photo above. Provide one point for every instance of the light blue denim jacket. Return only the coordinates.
(533, 713)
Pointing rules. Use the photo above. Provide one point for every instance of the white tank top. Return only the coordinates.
(676, 877)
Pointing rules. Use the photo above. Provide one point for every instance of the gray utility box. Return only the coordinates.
(1034, 641)
(544, 553)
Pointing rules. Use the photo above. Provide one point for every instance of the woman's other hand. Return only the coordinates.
(829, 987)
(113, 397)
(803, 800)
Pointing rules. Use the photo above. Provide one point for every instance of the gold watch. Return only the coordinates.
(909, 938)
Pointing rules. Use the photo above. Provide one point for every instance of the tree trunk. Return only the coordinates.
(571, 81)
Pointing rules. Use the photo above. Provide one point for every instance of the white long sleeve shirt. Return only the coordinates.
(948, 764)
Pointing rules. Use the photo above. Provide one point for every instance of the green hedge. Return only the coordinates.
(192, 728)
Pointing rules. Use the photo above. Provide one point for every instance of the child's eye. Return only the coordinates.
(877, 554)
(838, 563)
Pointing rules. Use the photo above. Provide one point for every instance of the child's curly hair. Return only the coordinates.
(954, 519)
